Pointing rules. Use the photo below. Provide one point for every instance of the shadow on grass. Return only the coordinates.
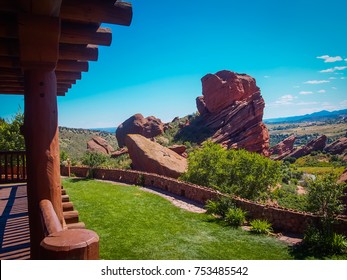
(303, 252)
(76, 180)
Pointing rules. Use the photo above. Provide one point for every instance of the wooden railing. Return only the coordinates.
(12, 166)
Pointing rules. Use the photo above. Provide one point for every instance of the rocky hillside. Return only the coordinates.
(74, 140)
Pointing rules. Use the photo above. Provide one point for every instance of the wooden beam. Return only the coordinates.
(70, 82)
(15, 92)
(77, 52)
(10, 72)
(9, 62)
(39, 7)
(11, 83)
(9, 47)
(18, 79)
(85, 34)
(38, 50)
(106, 11)
(70, 66)
(8, 26)
(68, 75)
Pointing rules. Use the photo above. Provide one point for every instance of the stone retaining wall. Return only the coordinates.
(281, 218)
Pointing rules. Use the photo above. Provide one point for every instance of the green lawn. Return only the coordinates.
(133, 224)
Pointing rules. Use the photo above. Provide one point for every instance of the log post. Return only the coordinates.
(39, 41)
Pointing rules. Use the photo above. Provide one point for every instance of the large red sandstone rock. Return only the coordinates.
(283, 148)
(152, 157)
(338, 147)
(314, 145)
(343, 178)
(232, 107)
(148, 127)
(119, 152)
(100, 145)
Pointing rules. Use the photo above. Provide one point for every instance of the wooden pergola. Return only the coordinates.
(44, 47)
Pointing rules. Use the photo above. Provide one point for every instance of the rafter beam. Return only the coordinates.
(97, 11)
(78, 52)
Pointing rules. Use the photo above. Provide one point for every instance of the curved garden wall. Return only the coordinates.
(281, 218)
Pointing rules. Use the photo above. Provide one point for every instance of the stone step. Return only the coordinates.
(76, 225)
(63, 192)
(67, 206)
(71, 217)
(65, 198)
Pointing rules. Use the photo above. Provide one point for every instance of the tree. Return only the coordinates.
(93, 160)
(11, 138)
(239, 172)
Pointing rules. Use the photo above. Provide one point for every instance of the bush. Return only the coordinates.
(261, 227)
(219, 207)
(93, 160)
(322, 242)
(239, 172)
(235, 217)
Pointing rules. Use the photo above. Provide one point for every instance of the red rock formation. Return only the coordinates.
(314, 145)
(343, 177)
(148, 127)
(120, 152)
(232, 107)
(152, 157)
(284, 146)
(338, 147)
(179, 149)
(100, 145)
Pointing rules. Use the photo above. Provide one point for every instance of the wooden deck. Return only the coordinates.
(14, 222)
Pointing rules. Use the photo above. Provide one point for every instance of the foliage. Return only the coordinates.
(63, 156)
(121, 162)
(134, 224)
(324, 199)
(290, 173)
(239, 172)
(287, 196)
(324, 196)
(261, 227)
(11, 138)
(219, 207)
(320, 242)
(93, 160)
(206, 166)
(320, 159)
(235, 217)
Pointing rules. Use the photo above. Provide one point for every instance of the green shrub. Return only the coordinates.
(319, 241)
(219, 207)
(239, 172)
(235, 217)
(261, 227)
(93, 160)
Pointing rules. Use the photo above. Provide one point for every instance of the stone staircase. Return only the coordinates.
(70, 215)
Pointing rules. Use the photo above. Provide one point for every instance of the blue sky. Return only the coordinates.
(296, 50)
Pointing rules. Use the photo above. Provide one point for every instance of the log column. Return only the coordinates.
(39, 37)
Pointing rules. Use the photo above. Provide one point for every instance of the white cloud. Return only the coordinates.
(334, 87)
(328, 58)
(285, 100)
(322, 91)
(296, 86)
(305, 92)
(266, 77)
(307, 103)
(315, 82)
(345, 59)
(343, 104)
(342, 78)
(336, 68)
(332, 78)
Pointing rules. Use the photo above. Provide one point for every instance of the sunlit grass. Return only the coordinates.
(133, 224)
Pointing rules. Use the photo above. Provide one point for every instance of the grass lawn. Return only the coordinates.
(133, 224)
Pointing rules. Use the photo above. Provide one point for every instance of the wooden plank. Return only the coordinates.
(71, 82)
(68, 75)
(9, 72)
(9, 47)
(106, 11)
(77, 52)
(70, 66)
(9, 62)
(85, 34)
(8, 26)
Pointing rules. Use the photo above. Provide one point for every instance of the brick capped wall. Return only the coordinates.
(281, 218)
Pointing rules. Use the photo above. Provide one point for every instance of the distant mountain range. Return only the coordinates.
(105, 129)
(318, 116)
